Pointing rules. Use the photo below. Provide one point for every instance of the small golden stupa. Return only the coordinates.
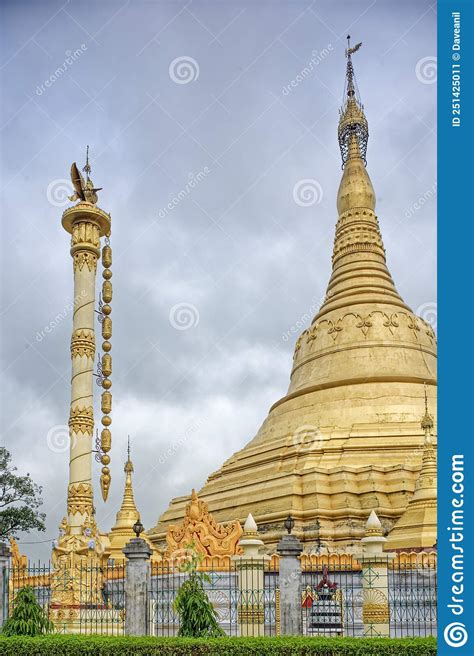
(122, 531)
(346, 438)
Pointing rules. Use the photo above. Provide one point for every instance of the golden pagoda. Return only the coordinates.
(417, 526)
(122, 531)
(345, 439)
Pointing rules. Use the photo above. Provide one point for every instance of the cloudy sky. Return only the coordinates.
(212, 129)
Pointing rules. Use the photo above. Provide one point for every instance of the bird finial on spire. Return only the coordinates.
(350, 51)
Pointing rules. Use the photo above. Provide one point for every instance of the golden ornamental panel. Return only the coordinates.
(85, 258)
(375, 613)
(81, 420)
(401, 325)
(85, 232)
(79, 498)
(250, 614)
(83, 343)
(209, 536)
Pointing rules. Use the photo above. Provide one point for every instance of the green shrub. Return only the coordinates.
(198, 618)
(67, 645)
(28, 617)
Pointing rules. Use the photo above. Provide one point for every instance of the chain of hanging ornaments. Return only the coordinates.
(106, 370)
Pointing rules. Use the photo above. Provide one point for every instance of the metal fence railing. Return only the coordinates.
(224, 590)
(84, 600)
(332, 600)
(412, 596)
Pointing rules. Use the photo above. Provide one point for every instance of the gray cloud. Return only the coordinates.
(237, 246)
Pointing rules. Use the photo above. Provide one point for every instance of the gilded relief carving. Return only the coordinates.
(81, 420)
(365, 324)
(83, 343)
(85, 258)
(199, 526)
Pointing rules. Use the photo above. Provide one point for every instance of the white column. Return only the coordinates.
(86, 224)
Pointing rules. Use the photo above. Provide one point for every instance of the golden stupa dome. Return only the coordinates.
(346, 437)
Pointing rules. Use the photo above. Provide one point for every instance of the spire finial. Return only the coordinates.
(352, 120)
(427, 420)
(87, 168)
(128, 469)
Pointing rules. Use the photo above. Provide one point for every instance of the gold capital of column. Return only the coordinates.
(85, 233)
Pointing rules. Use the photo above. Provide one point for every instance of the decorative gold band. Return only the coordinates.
(79, 498)
(81, 420)
(251, 614)
(81, 258)
(83, 343)
(375, 613)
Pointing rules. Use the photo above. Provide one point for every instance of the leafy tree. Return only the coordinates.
(27, 618)
(20, 499)
(197, 614)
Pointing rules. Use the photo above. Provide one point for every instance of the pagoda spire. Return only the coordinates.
(359, 271)
(128, 514)
(122, 532)
(418, 522)
(353, 126)
(128, 502)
